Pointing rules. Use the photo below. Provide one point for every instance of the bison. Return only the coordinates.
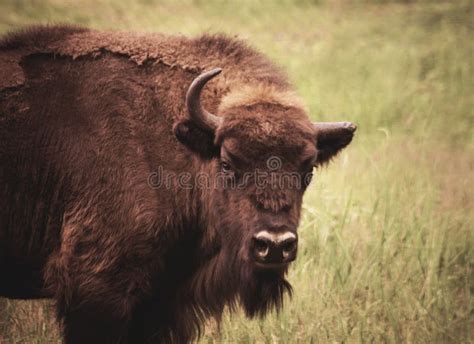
(92, 122)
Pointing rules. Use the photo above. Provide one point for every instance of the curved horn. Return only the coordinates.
(334, 128)
(333, 136)
(205, 120)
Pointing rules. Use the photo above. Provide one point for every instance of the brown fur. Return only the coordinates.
(86, 117)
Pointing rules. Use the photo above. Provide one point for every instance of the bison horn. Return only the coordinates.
(204, 119)
(330, 128)
(334, 134)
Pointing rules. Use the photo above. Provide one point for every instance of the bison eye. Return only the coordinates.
(226, 167)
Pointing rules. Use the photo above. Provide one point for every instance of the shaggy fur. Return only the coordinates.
(86, 118)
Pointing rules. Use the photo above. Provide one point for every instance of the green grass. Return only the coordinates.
(387, 234)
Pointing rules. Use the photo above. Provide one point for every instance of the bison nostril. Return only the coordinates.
(261, 247)
(288, 247)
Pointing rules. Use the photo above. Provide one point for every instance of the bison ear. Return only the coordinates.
(331, 138)
(197, 140)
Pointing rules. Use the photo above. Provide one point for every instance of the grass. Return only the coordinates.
(387, 234)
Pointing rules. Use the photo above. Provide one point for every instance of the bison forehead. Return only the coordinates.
(264, 129)
(267, 130)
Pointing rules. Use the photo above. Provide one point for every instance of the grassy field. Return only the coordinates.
(386, 250)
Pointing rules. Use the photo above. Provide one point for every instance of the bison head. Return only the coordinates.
(260, 149)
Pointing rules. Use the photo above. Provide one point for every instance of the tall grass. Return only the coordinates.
(387, 236)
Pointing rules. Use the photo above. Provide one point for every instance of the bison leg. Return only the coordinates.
(103, 317)
(97, 280)
(93, 326)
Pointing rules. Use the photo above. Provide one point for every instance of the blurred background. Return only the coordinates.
(387, 233)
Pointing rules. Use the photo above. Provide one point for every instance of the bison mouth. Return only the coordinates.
(272, 266)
